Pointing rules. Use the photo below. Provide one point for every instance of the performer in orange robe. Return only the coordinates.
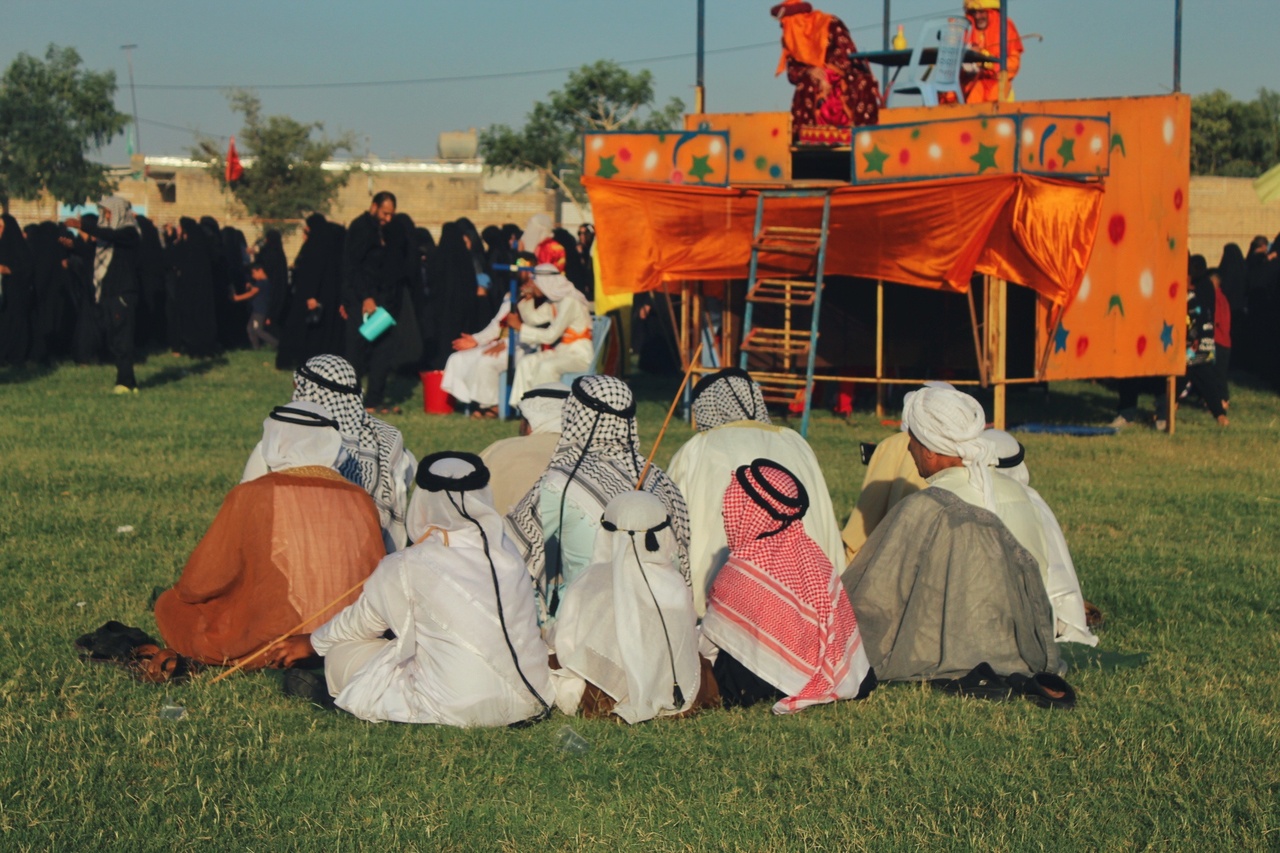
(281, 548)
(831, 89)
(981, 81)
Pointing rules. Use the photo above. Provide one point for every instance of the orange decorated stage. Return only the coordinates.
(1083, 202)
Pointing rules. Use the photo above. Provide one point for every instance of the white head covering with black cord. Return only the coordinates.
(597, 458)
(376, 449)
(726, 396)
(627, 624)
(299, 435)
(543, 406)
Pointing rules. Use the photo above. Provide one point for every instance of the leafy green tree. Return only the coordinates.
(1234, 138)
(52, 114)
(284, 176)
(599, 97)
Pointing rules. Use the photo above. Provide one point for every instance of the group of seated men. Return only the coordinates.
(559, 570)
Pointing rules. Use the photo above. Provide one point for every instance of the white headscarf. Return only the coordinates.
(554, 284)
(1009, 455)
(627, 624)
(301, 434)
(537, 229)
(951, 423)
(448, 508)
(542, 407)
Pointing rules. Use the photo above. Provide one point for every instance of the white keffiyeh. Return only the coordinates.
(950, 423)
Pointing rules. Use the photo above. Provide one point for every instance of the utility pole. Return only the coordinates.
(700, 87)
(133, 95)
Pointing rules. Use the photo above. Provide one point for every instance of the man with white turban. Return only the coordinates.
(733, 429)
(519, 461)
(942, 585)
(1058, 570)
(281, 548)
(626, 627)
(566, 341)
(466, 650)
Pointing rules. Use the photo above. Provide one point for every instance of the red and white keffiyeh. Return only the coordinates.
(778, 606)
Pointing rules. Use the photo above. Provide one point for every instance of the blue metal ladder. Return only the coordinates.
(791, 342)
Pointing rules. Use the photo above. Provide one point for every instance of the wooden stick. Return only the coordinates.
(286, 635)
(679, 392)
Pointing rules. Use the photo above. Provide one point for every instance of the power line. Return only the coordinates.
(466, 78)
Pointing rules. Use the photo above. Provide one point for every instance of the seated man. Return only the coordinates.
(1058, 570)
(891, 476)
(733, 429)
(471, 374)
(519, 461)
(777, 613)
(555, 524)
(566, 342)
(466, 650)
(942, 585)
(281, 547)
(626, 627)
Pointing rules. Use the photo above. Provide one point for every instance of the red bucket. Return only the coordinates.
(435, 400)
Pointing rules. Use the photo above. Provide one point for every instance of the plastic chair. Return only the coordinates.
(600, 327)
(949, 36)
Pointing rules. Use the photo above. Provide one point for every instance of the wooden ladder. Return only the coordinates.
(792, 344)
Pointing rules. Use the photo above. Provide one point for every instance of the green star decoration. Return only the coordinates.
(1067, 151)
(875, 160)
(607, 169)
(701, 168)
(986, 157)
(1115, 302)
(1117, 141)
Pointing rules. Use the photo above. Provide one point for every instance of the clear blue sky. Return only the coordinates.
(1091, 48)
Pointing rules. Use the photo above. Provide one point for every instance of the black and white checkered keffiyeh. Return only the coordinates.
(598, 459)
(373, 446)
(726, 396)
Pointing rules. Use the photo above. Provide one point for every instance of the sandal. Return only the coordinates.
(981, 682)
(1045, 689)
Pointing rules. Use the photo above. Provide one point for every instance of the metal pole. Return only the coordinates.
(1003, 91)
(884, 73)
(133, 94)
(1177, 57)
(700, 89)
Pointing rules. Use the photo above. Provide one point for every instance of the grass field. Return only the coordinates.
(1175, 538)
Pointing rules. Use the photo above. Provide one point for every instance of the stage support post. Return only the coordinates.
(997, 337)
(1171, 403)
(880, 395)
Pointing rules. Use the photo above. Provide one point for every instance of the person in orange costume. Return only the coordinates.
(831, 89)
(981, 80)
(282, 547)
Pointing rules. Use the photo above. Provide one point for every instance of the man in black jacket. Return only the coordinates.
(115, 280)
(365, 289)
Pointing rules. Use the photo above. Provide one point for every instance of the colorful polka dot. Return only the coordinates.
(1142, 345)
(1079, 128)
(775, 171)
(904, 156)
(762, 163)
(624, 154)
(739, 154)
(1178, 198)
(1173, 290)
(966, 138)
(677, 177)
(1115, 228)
(1082, 346)
(1146, 283)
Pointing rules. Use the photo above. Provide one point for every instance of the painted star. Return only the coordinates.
(875, 160)
(985, 158)
(1067, 151)
(701, 168)
(1117, 141)
(1166, 336)
(1115, 302)
(1060, 339)
(607, 169)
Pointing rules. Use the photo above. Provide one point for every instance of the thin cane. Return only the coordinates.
(679, 393)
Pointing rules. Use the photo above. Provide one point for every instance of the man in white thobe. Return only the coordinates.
(734, 429)
(568, 336)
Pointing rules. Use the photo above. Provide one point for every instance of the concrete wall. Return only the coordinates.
(432, 192)
(1227, 210)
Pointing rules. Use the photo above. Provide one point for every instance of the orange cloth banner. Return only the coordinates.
(1035, 231)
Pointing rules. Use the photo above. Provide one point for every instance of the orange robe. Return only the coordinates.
(281, 547)
(984, 85)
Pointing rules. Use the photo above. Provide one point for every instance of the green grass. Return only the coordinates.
(1174, 538)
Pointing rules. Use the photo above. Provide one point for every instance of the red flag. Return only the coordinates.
(234, 170)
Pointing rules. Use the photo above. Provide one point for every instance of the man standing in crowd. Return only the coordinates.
(365, 290)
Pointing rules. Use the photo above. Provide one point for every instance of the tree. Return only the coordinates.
(599, 97)
(52, 114)
(284, 176)
(1234, 138)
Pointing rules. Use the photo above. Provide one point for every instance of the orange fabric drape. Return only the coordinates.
(1034, 231)
(805, 38)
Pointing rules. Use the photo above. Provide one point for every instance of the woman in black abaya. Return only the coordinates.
(15, 290)
(452, 301)
(191, 259)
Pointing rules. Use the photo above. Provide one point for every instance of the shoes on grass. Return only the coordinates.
(308, 684)
(123, 389)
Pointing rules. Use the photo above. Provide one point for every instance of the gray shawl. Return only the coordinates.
(942, 586)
